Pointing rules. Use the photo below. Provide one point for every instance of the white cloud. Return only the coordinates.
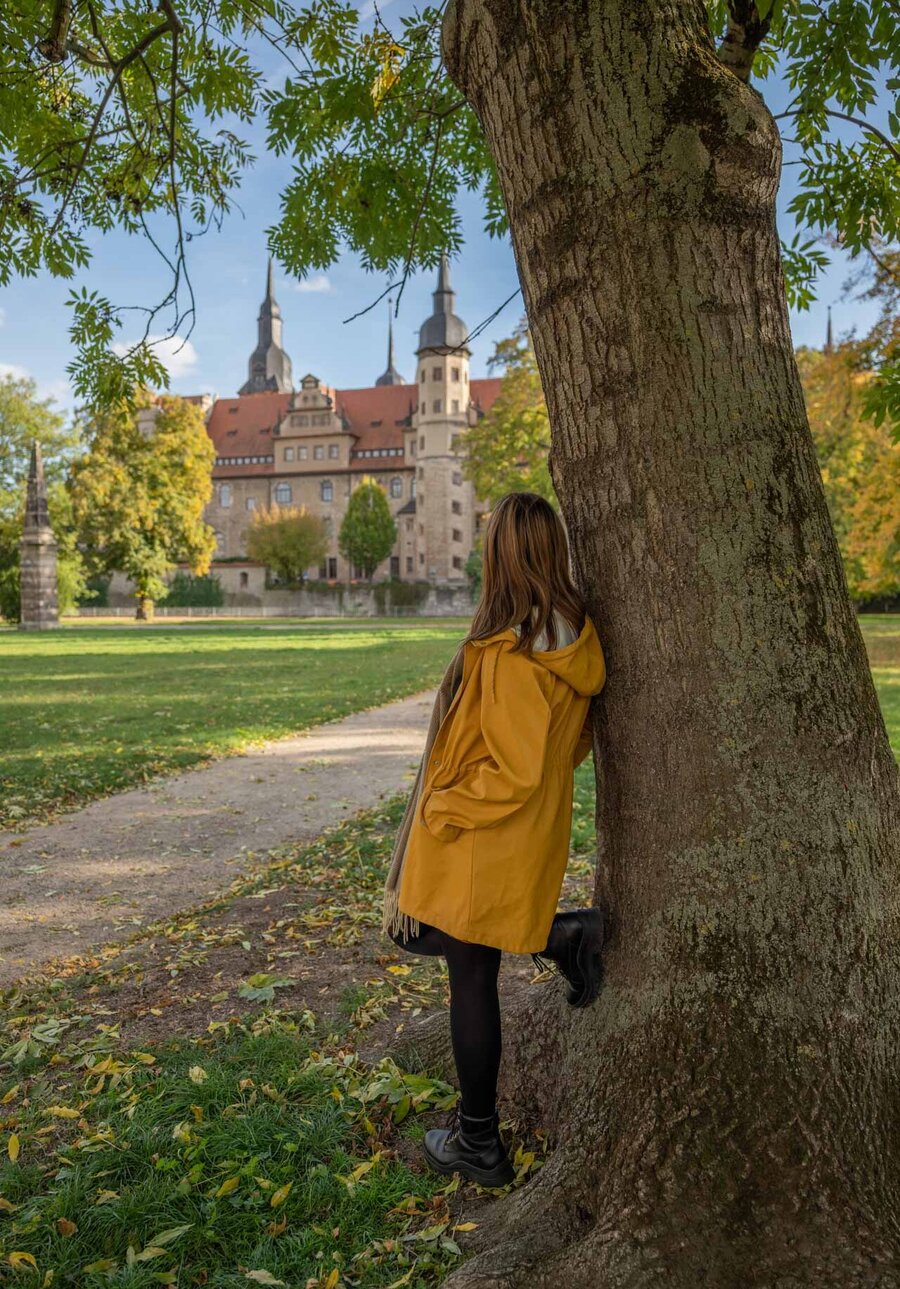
(179, 357)
(367, 8)
(319, 282)
(14, 370)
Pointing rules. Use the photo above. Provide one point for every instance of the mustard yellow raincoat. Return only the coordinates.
(488, 844)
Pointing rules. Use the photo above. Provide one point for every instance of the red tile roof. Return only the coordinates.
(243, 427)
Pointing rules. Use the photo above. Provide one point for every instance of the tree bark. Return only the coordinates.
(728, 1110)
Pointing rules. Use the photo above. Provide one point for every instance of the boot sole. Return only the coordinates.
(484, 1176)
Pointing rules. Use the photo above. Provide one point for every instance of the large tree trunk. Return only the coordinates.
(730, 1110)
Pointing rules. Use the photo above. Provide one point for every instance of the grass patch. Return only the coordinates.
(151, 1100)
(92, 711)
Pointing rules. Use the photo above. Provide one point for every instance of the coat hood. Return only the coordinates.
(580, 664)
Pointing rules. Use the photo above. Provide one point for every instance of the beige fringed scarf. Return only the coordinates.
(393, 921)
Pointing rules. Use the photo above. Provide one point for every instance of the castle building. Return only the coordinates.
(310, 446)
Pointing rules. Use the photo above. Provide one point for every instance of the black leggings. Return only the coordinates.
(474, 1013)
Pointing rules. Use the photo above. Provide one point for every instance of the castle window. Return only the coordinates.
(288, 454)
(457, 561)
(299, 420)
(436, 405)
(457, 534)
(283, 494)
(225, 495)
(318, 451)
(396, 486)
(421, 558)
(250, 503)
(334, 449)
(457, 476)
(303, 453)
(409, 564)
(456, 507)
(454, 373)
(326, 490)
(245, 580)
(456, 404)
(221, 544)
(436, 373)
(422, 377)
(454, 442)
(421, 472)
(412, 488)
(423, 409)
(422, 441)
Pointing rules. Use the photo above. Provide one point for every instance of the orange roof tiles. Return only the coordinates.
(243, 427)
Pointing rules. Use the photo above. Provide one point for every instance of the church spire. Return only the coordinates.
(829, 337)
(390, 376)
(444, 330)
(269, 367)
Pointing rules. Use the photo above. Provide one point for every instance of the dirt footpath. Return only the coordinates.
(96, 875)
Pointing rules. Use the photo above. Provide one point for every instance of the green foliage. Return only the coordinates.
(119, 115)
(368, 531)
(188, 591)
(140, 490)
(24, 419)
(287, 540)
(507, 449)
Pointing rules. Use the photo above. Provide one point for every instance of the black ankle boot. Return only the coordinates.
(472, 1147)
(575, 945)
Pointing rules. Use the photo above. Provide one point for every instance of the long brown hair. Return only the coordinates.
(525, 567)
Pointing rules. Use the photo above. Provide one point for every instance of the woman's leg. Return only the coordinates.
(429, 941)
(474, 1023)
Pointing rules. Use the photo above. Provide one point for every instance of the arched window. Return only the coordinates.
(396, 486)
(283, 494)
(327, 490)
(412, 488)
(225, 494)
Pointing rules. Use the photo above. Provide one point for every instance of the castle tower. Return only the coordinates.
(390, 376)
(444, 501)
(269, 367)
(37, 555)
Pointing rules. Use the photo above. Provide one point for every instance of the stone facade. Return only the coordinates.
(311, 446)
(37, 555)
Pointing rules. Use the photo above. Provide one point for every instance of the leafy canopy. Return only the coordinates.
(120, 114)
(140, 490)
(368, 531)
(287, 539)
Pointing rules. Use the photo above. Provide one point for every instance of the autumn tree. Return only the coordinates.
(287, 539)
(368, 532)
(725, 1114)
(139, 494)
(507, 449)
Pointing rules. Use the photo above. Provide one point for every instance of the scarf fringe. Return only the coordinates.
(393, 922)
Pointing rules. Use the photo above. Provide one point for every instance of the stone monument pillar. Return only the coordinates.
(37, 555)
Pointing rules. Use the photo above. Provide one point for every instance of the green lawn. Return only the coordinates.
(93, 710)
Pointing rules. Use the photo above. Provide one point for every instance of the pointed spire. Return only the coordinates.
(390, 376)
(269, 367)
(444, 295)
(829, 335)
(37, 515)
(443, 330)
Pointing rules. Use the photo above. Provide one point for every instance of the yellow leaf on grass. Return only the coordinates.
(400, 971)
(6, 1207)
(19, 1260)
(65, 1227)
(13, 1148)
(9, 1096)
(197, 1074)
(281, 1195)
(62, 1112)
(465, 1226)
(228, 1186)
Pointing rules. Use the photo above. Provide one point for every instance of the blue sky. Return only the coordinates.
(228, 273)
